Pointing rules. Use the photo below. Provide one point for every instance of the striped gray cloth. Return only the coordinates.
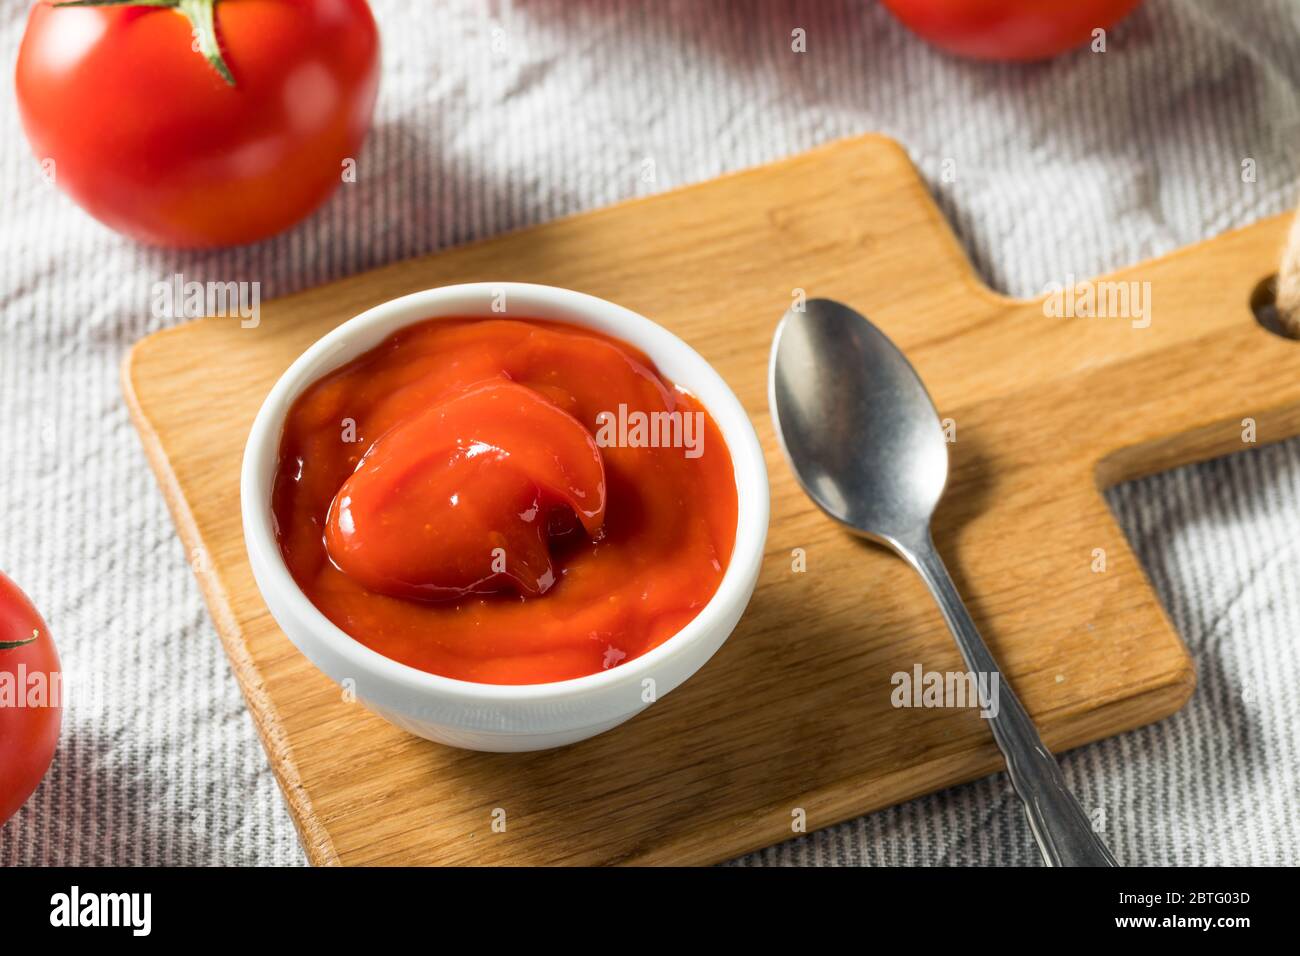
(495, 115)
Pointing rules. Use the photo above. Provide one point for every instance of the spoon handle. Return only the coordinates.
(1061, 828)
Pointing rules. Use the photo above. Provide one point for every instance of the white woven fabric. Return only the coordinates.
(496, 115)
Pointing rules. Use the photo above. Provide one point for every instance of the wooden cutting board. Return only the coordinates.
(794, 712)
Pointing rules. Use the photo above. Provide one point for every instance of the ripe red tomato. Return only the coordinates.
(149, 138)
(31, 704)
(1008, 29)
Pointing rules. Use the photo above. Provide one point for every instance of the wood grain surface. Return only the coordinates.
(794, 711)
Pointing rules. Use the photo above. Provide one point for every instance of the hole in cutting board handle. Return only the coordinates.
(1263, 302)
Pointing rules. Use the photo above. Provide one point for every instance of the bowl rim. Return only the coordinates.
(339, 345)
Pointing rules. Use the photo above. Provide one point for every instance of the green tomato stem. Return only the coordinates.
(9, 645)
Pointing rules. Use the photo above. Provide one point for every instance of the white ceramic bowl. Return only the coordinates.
(491, 716)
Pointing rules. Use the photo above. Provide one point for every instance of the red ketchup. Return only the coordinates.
(504, 501)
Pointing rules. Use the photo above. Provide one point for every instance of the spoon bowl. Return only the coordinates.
(861, 433)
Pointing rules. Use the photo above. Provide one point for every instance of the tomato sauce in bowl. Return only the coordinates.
(504, 501)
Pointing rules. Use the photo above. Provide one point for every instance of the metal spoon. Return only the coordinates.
(865, 442)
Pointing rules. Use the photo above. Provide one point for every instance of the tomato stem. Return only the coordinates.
(9, 645)
(200, 13)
